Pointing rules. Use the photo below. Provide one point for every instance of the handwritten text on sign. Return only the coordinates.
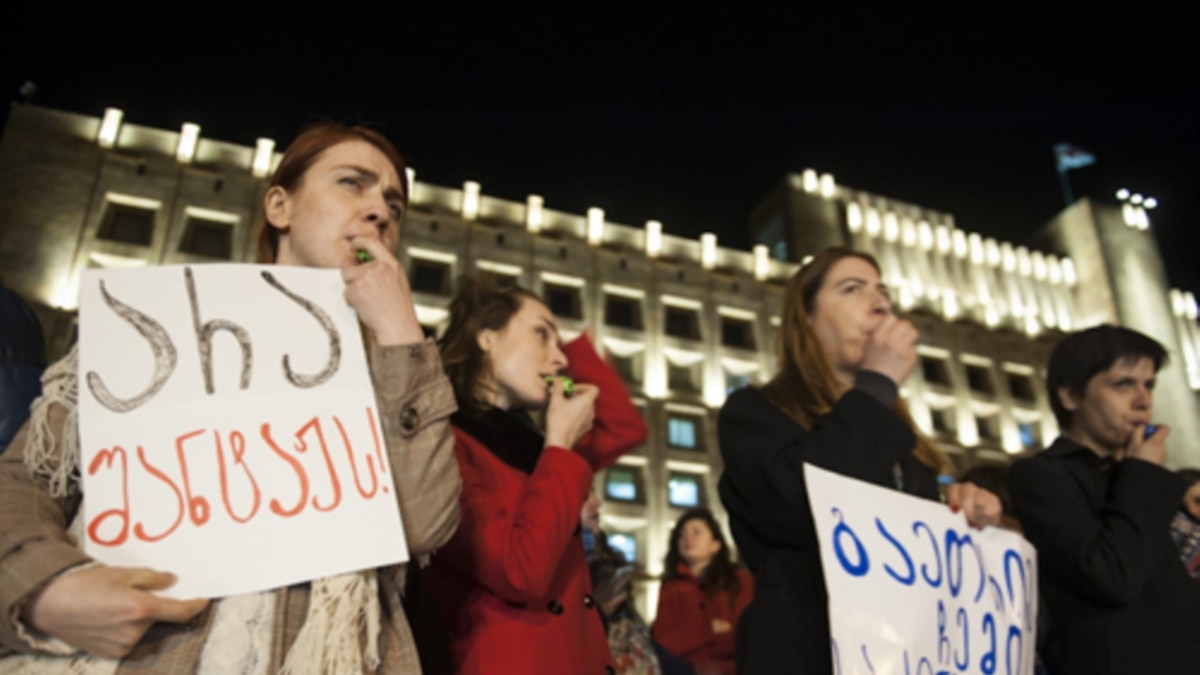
(914, 591)
(228, 428)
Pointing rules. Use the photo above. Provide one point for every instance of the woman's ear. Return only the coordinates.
(484, 339)
(277, 207)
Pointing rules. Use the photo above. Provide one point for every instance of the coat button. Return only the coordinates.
(555, 607)
(589, 601)
(409, 418)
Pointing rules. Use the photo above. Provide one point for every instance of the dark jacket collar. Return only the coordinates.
(510, 435)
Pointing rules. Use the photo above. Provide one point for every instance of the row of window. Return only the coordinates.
(987, 428)
(133, 225)
(433, 277)
(625, 483)
(979, 378)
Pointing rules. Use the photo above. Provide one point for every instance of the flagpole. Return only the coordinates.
(1066, 187)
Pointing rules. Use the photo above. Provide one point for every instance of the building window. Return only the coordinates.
(682, 322)
(626, 543)
(934, 370)
(564, 301)
(430, 276)
(734, 381)
(682, 378)
(1030, 435)
(988, 428)
(683, 431)
(629, 366)
(1021, 387)
(979, 380)
(207, 238)
(128, 224)
(622, 312)
(497, 279)
(624, 484)
(685, 490)
(737, 333)
(942, 419)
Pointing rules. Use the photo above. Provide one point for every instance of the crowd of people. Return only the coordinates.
(494, 453)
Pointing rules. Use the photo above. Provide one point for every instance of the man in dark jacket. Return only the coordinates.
(1098, 505)
(22, 360)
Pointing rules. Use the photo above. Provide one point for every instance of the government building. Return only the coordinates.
(684, 320)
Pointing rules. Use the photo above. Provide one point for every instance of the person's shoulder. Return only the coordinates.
(746, 401)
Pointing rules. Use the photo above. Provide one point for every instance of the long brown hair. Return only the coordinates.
(805, 387)
(721, 573)
(303, 152)
(477, 306)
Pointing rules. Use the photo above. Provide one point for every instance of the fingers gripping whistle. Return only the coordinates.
(568, 385)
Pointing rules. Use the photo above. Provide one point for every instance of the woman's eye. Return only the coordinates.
(350, 181)
(396, 212)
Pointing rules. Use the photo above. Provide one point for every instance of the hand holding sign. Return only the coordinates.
(981, 507)
(106, 610)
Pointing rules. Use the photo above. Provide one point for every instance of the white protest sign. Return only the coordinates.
(914, 591)
(228, 428)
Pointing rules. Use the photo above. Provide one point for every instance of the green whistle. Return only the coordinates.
(363, 256)
(568, 384)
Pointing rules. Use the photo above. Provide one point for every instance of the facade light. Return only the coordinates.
(110, 126)
(653, 238)
(260, 166)
(595, 225)
(189, 138)
(470, 200)
(533, 213)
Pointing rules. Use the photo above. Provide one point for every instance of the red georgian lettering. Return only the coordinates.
(106, 457)
(237, 446)
(301, 476)
(138, 530)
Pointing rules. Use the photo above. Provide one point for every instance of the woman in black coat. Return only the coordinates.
(834, 403)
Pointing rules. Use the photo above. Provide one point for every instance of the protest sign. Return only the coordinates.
(228, 428)
(914, 591)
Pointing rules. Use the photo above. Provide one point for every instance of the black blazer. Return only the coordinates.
(1119, 599)
(786, 628)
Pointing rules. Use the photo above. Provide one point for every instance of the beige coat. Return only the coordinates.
(415, 401)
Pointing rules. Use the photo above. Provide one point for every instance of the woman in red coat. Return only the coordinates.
(702, 596)
(513, 583)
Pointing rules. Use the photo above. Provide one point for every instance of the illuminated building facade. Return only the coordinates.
(684, 320)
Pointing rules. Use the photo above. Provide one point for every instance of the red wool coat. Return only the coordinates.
(683, 625)
(513, 584)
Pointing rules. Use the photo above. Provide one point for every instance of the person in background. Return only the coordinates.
(1185, 527)
(22, 360)
(633, 651)
(834, 403)
(338, 191)
(702, 596)
(1098, 505)
(513, 583)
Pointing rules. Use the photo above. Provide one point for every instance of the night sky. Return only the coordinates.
(687, 113)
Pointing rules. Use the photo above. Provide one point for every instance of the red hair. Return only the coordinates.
(303, 152)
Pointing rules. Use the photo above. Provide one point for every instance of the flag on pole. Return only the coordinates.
(1070, 157)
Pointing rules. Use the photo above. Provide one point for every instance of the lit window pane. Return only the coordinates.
(683, 491)
(620, 484)
(681, 433)
(625, 543)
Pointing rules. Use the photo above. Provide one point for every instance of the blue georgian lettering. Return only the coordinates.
(964, 624)
(911, 575)
(1011, 556)
(933, 583)
(988, 663)
(843, 530)
(1014, 633)
(954, 548)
